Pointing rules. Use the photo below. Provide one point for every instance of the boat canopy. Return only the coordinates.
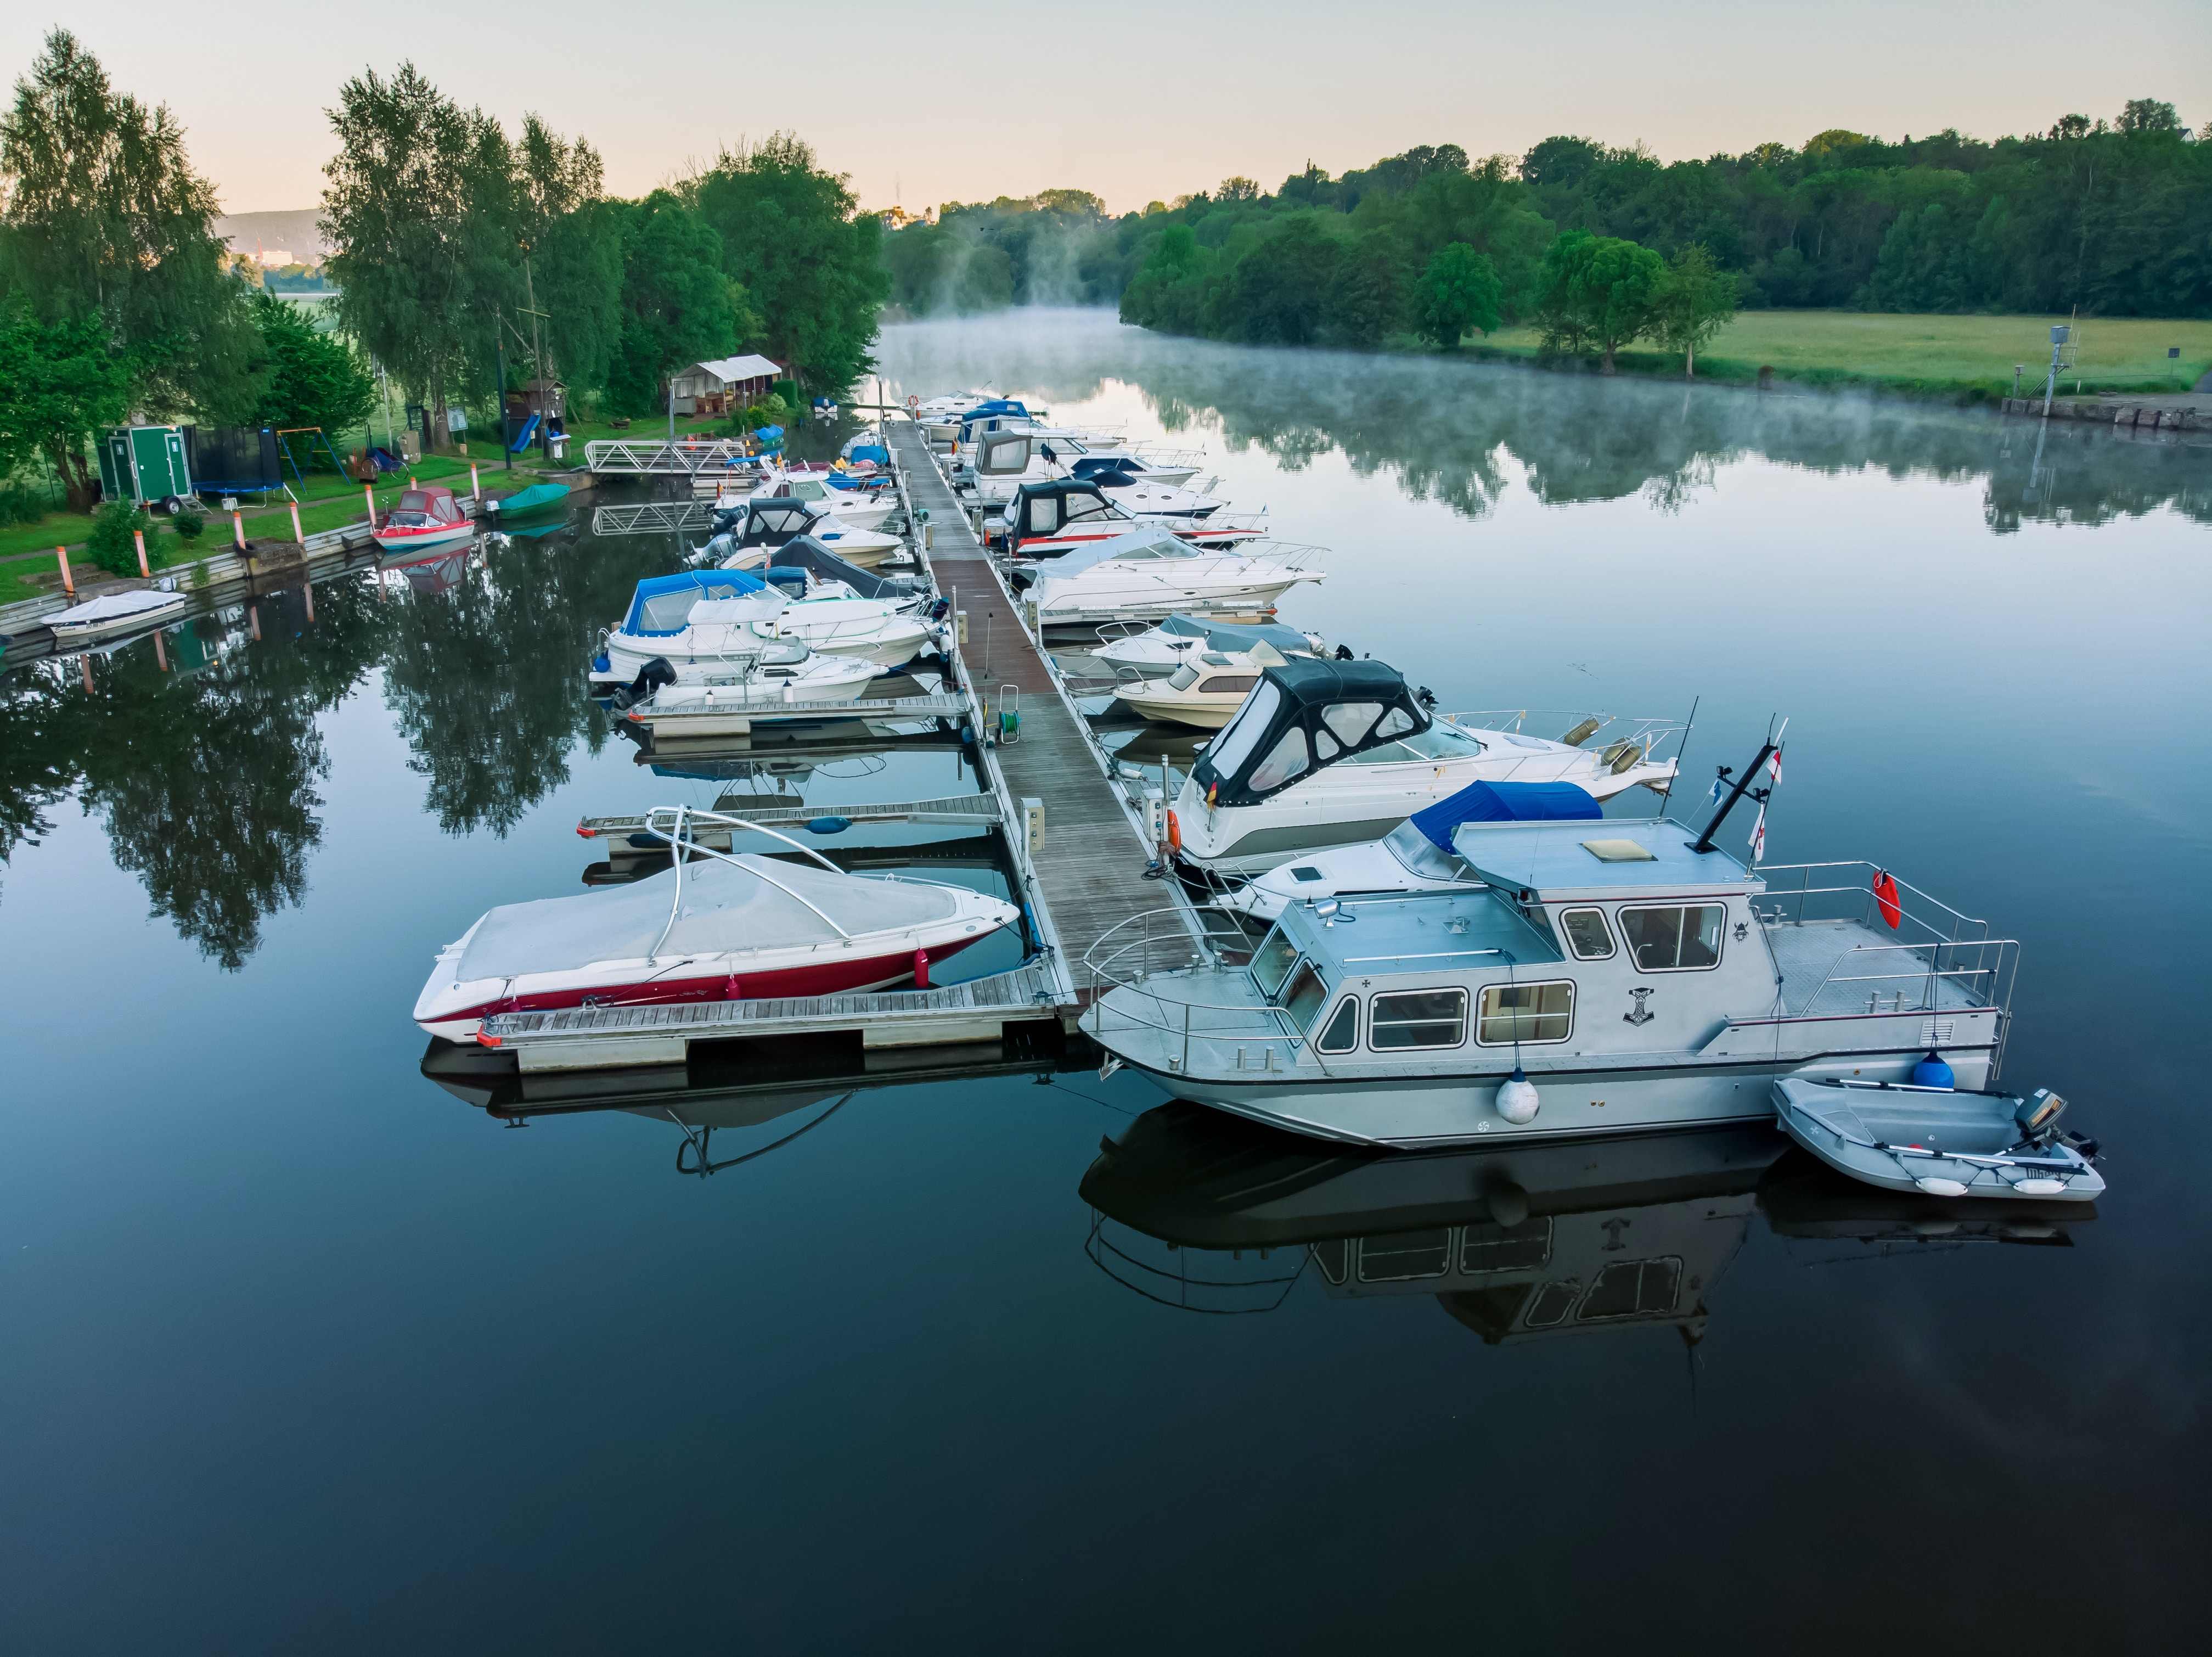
(768, 521)
(661, 606)
(816, 560)
(1046, 509)
(431, 498)
(1303, 715)
(725, 908)
(1240, 635)
(721, 610)
(1504, 802)
(1569, 860)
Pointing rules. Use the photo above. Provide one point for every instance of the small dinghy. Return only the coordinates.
(113, 613)
(712, 927)
(1940, 1141)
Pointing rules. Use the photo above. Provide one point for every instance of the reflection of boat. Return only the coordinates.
(1517, 1242)
(1617, 976)
(1326, 753)
(1942, 1140)
(426, 516)
(437, 571)
(1804, 1200)
(112, 614)
(725, 928)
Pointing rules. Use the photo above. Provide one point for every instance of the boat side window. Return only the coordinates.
(1044, 515)
(1588, 935)
(1674, 938)
(1525, 1012)
(1286, 759)
(1272, 962)
(1231, 684)
(1417, 1018)
(1343, 1033)
(1305, 995)
(1084, 506)
(1409, 1255)
(1350, 721)
(1229, 751)
(1628, 1289)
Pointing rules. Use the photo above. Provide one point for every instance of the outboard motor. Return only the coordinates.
(650, 678)
(2038, 1117)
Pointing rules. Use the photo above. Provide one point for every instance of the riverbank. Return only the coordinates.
(1966, 359)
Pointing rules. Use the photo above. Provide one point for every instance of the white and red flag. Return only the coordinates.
(1758, 835)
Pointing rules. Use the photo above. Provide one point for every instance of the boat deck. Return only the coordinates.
(1818, 979)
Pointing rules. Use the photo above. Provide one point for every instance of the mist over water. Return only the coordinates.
(307, 1351)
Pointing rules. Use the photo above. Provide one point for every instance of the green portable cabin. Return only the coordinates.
(145, 465)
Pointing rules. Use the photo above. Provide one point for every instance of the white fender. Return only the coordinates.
(1516, 1098)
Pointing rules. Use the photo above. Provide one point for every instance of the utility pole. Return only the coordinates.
(499, 354)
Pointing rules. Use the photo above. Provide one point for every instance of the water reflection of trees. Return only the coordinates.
(1444, 430)
(205, 775)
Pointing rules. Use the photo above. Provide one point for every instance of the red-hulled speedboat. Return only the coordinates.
(722, 928)
(426, 516)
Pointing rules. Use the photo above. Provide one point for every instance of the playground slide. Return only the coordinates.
(522, 438)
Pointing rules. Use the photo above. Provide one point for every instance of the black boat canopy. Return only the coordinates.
(1305, 715)
(1048, 508)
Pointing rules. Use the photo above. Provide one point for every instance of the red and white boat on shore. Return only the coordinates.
(427, 516)
(727, 927)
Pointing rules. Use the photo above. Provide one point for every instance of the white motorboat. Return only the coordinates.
(1044, 521)
(712, 927)
(1151, 572)
(1329, 753)
(1206, 691)
(1001, 461)
(698, 623)
(728, 704)
(766, 522)
(1417, 855)
(852, 509)
(113, 613)
(1158, 650)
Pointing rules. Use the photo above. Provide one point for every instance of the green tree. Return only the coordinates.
(677, 307)
(314, 378)
(1696, 301)
(809, 264)
(573, 249)
(1459, 291)
(103, 220)
(59, 383)
(1597, 293)
(419, 271)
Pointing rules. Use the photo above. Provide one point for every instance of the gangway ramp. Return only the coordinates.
(629, 457)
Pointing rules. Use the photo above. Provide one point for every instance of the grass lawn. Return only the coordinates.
(1959, 354)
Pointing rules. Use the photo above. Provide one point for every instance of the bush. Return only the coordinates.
(21, 505)
(191, 521)
(113, 548)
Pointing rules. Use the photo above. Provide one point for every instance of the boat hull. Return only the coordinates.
(402, 541)
(727, 977)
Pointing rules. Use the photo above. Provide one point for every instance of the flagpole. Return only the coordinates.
(1682, 751)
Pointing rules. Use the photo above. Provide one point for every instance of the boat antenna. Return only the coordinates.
(1682, 749)
(1741, 786)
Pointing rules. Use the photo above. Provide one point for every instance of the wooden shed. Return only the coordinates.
(728, 383)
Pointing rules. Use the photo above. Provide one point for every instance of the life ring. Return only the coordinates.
(1885, 898)
(1175, 833)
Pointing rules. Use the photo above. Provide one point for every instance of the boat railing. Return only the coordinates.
(1844, 891)
(1982, 971)
(1158, 945)
(1609, 735)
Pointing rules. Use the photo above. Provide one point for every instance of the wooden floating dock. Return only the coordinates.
(1073, 835)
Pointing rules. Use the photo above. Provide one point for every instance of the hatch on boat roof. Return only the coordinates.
(1565, 859)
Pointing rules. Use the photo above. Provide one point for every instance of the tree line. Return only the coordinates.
(2114, 218)
(454, 243)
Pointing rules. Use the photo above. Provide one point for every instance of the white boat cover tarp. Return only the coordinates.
(726, 908)
(735, 613)
(112, 607)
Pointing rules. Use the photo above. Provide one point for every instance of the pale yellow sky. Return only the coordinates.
(1135, 101)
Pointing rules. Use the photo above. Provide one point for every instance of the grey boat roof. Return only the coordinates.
(1471, 931)
(1556, 859)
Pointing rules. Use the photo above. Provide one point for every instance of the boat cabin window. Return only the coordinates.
(1404, 1258)
(1272, 961)
(1588, 935)
(414, 500)
(1343, 1033)
(1288, 758)
(1350, 721)
(1485, 1246)
(1676, 938)
(1305, 995)
(1417, 1018)
(1525, 1012)
(1043, 514)
(1183, 677)
(1422, 854)
(1230, 684)
(1629, 1288)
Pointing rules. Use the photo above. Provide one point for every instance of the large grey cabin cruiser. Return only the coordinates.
(1604, 976)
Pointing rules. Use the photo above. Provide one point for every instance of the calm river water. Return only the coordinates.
(303, 1351)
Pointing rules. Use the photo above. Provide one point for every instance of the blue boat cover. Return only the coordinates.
(1504, 802)
(697, 584)
(997, 405)
(769, 436)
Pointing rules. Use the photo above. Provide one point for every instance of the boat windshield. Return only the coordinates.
(1437, 742)
(1423, 855)
(1306, 994)
(1183, 677)
(1272, 962)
